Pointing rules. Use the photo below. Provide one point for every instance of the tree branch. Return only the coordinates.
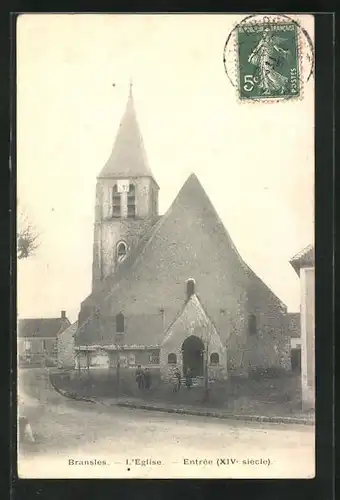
(27, 238)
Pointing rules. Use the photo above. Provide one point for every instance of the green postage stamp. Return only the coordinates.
(268, 60)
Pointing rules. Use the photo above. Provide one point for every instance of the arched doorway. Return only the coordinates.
(193, 355)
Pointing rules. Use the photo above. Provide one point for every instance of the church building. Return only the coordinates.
(171, 291)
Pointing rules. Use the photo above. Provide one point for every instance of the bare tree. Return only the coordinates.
(27, 237)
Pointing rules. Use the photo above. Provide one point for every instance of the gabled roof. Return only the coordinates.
(294, 328)
(41, 327)
(189, 241)
(128, 157)
(192, 320)
(140, 330)
(305, 258)
(190, 211)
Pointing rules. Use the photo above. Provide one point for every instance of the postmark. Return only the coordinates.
(268, 58)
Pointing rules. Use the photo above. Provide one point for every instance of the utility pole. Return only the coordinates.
(88, 361)
(206, 370)
(78, 362)
(88, 371)
(118, 364)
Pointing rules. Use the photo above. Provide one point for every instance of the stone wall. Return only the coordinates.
(65, 348)
(268, 346)
(109, 231)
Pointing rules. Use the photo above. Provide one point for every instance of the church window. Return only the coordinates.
(120, 323)
(172, 359)
(116, 210)
(252, 329)
(131, 201)
(214, 358)
(121, 251)
(154, 358)
(190, 288)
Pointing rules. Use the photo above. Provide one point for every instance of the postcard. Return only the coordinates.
(165, 246)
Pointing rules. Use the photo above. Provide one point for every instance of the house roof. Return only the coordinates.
(189, 241)
(305, 258)
(294, 328)
(128, 156)
(70, 330)
(41, 327)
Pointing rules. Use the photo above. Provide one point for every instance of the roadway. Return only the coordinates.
(76, 439)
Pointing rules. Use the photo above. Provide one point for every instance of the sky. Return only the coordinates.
(255, 160)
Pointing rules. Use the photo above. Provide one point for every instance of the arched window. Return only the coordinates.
(120, 323)
(172, 359)
(252, 324)
(214, 358)
(190, 288)
(121, 251)
(131, 201)
(116, 209)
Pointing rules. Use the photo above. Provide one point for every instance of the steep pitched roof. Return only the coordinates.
(191, 204)
(305, 258)
(103, 333)
(189, 241)
(41, 327)
(192, 320)
(294, 328)
(128, 157)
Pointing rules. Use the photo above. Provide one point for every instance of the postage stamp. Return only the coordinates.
(268, 60)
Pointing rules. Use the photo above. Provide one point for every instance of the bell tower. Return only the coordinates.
(126, 198)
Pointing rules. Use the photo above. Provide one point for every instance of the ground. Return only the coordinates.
(269, 394)
(76, 430)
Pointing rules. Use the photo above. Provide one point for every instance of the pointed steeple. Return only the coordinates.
(128, 157)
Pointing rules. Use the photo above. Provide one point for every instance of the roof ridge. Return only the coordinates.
(302, 252)
(40, 318)
(194, 296)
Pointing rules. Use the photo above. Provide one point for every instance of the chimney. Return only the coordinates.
(63, 314)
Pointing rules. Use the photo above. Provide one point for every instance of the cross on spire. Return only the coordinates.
(130, 88)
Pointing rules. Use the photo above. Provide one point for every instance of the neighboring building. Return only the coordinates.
(294, 333)
(304, 265)
(37, 338)
(65, 347)
(171, 290)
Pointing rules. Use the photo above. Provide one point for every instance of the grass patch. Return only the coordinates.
(266, 393)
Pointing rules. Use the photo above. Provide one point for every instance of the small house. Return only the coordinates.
(37, 339)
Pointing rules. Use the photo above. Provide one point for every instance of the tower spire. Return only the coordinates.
(128, 157)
